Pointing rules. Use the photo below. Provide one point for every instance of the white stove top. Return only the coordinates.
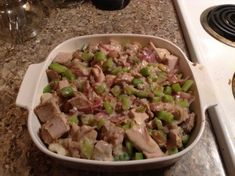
(219, 59)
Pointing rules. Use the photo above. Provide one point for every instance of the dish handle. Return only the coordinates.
(28, 85)
(204, 85)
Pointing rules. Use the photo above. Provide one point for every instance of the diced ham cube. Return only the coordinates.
(54, 128)
(63, 58)
(52, 75)
(47, 110)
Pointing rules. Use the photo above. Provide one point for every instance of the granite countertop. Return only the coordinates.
(18, 154)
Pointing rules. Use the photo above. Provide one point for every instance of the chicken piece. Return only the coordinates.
(80, 133)
(141, 139)
(46, 97)
(58, 148)
(160, 137)
(52, 75)
(175, 138)
(63, 58)
(102, 151)
(171, 61)
(79, 69)
(63, 83)
(139, 117)
(98, 74)
(112, 134)
(47, 110)
(80, 102)
(54, 128)
(189, 123)
(109, 79)
(125, 77)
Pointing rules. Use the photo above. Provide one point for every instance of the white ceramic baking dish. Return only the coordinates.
(35, 79)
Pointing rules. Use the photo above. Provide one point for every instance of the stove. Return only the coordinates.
(209, 30)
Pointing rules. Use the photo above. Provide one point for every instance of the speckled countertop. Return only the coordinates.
(18, 154)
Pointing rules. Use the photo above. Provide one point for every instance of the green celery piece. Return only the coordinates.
(182, 103)
(127, 125)
(168, 98)
(172, 150)
(185, 139)
(58, 67)
(87, 56)
(187, 85)
(126, 102)
(129, 147)
(101, 88)
(100, 123)
(137, 81)
(141, 109)
(100, 56)
(69, 75)
(165, 116)
(108, 107)
(145, 71)
(86, 148)
(109, 64)
(139, 156)
(123, 157)
(141, 93)
(158, 92)
(129, 90)
(117, 70)
(158, 123)
(88, 119)
(176, 87)
(67, 92)
(116, 90)
(168, 90)
(156, 99)
(73, 120)
(47, 89)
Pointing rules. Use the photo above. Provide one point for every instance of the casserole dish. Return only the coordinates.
(29, 97)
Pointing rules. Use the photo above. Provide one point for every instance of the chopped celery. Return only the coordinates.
(158, 92)
(142, 93)
(58, 67)
(165, 116)
(185, 139)
(168, 90)
(122, 157)
(101, 88)
(145, 71)
(87, 56)
(67, 92)
(158, 123)
(47, 89)
(183, 103)
(69, 75)
(108, 64)
(116, 90)
(141, 109)
(129, 90)
(86, 148)
(127, 125)
(73, 120)
(167, 98)
(172, 150)
(100, 56)
(129, 147)
(176, 87)
(100, 123)
(116, 70)
(108, 107)
(139, 156)
(187, 85)
(126, 102)
(137, 81)
(156, 99)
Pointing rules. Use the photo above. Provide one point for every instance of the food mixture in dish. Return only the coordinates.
(116, 101)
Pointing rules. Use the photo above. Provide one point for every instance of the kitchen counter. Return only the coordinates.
(18, 154)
